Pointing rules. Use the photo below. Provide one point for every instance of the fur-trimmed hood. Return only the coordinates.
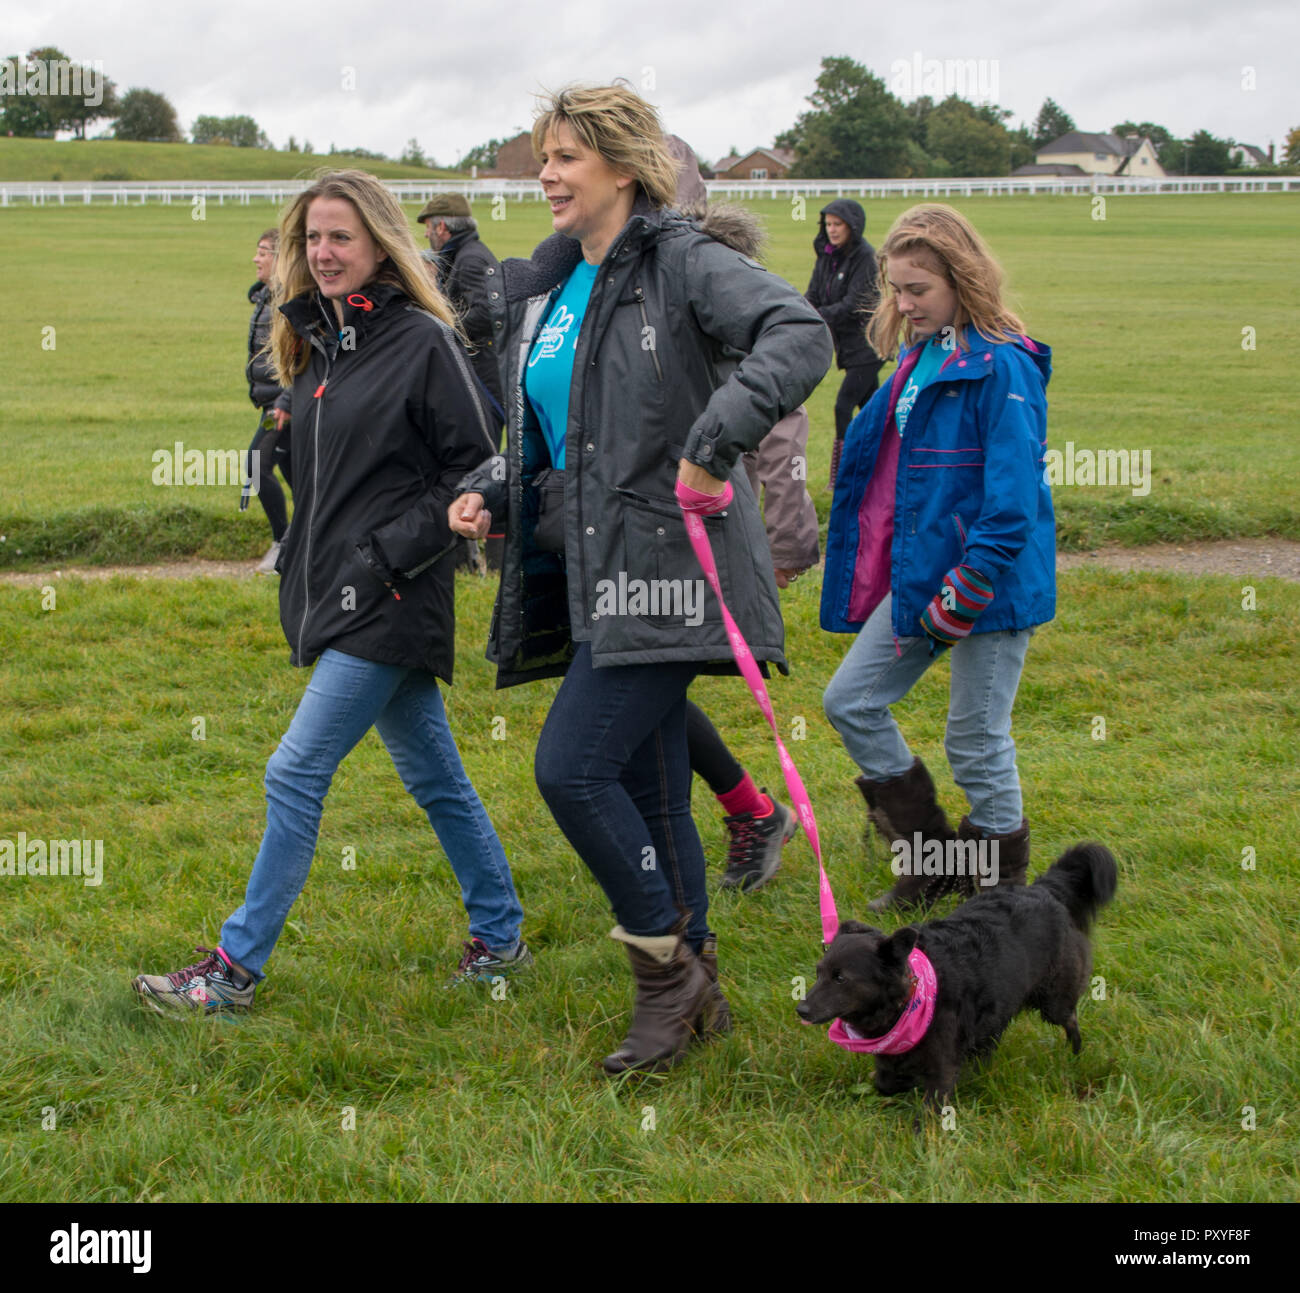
(732, 225)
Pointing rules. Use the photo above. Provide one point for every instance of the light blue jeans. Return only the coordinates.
(344, 699)
(986, 670)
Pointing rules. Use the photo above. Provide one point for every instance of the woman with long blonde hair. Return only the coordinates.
(386, 419)
(942, 538)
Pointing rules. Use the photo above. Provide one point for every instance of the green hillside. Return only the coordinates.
(118, 159)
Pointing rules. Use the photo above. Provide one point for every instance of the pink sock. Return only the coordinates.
(746, 798)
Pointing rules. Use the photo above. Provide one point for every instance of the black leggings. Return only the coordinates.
(266, 444)
(709, 755)
(858, 387)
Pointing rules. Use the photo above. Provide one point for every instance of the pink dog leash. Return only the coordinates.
(919, 1010)
(695, 506)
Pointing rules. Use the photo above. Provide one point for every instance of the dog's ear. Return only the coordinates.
(855, 927)
(895, 950)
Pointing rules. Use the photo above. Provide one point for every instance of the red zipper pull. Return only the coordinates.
(320, 390)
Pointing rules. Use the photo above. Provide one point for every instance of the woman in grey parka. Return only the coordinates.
(638, 351)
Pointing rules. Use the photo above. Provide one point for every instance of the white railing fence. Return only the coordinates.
(245, 192)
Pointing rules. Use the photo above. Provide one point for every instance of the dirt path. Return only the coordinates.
(1247, 558)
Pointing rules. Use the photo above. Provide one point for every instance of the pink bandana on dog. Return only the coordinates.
(912, 1023)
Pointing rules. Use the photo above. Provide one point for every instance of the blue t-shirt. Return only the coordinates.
(550, 363)
(932, 357)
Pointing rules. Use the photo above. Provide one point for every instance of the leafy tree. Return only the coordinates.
(484, 156)
(149, 116)
(1291, 153)
(918, 112)
(1158, 135)
(240, 132)
(413, 154)
(1207, 155)
(1052, 122)
(24, 115)
(1022, 146)
(62, 89)
(855, 129)
(966, 138)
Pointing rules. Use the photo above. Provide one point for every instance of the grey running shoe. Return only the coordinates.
(480, 964)
(754, 853)
(215, 983)
(267, 564)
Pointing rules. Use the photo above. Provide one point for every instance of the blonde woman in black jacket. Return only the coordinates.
(387, 417)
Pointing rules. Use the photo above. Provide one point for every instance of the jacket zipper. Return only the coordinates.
(645, 327)
(315, 494)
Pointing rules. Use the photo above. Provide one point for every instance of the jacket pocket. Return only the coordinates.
(649, 337)
(664, 584)
(961, 532)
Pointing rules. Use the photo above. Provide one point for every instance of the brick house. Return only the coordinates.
(758, 164)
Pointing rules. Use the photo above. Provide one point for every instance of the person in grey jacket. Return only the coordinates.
(269, 448)
(638, 354)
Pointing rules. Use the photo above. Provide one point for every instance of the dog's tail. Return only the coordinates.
(1083, 879)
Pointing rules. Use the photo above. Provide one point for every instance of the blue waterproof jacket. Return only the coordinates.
(971, 488)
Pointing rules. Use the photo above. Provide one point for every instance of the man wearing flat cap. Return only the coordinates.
(469, 276)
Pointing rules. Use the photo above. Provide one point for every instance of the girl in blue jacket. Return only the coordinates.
(942, 537)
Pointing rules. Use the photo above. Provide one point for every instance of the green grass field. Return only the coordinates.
(1145, 312)
(466, 1097)
(120, 159)
(1187, 1085)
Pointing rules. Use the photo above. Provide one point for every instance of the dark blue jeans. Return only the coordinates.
(613, 767)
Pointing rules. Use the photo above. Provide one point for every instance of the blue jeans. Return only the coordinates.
(986, 670)
(344, 699)
(613, 767)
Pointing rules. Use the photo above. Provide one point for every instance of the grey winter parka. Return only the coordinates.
(689, 349)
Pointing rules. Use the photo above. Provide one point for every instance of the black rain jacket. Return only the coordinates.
(263, 389)
(470, 278)
(387, 418)
(844, 285)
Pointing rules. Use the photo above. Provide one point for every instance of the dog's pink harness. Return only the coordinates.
(912, 1023)
(918, 1012)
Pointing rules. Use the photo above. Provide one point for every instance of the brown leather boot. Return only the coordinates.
(1013, 855)
(675, 1001)
(899, 808)
(709, 961)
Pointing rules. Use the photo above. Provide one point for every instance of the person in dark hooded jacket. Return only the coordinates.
(845, 291)
(387, 417)
(641, 358)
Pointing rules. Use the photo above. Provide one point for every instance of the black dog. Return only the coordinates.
(1003, 952)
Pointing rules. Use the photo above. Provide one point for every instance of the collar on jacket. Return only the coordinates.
(554, 259)
(259, 293)
(974, 357)
(311, 315)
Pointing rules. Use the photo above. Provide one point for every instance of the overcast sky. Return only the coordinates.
(373, 76)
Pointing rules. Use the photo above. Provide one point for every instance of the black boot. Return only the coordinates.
(900, 807)
(675, 1001)
(1013, 855)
